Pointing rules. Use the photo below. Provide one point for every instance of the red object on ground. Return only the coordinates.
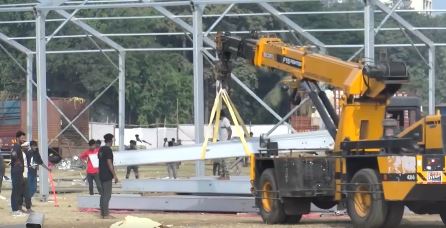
(56, 204)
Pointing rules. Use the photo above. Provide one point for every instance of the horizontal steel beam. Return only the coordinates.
(232, 32)
(190, 49)
(215, 15)
(173, 203)
(303, 141)
(153, 4)
(196, 186)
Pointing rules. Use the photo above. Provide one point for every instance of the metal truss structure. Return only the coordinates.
(202, 44)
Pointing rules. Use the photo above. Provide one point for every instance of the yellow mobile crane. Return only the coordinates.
(373, 169)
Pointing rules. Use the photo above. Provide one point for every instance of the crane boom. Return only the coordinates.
(355, 79)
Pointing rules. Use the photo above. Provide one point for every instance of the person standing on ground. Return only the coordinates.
(224, 134)
(132, 167)
(2, 170)
(33, 160)
(92, 172)
(172, 166)
(106, 174)
(17, 168)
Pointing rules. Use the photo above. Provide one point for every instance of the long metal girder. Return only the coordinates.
(304, 141)
(173, 203)
(239, 186)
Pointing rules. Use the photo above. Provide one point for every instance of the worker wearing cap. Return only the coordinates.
(132, 167)
(92, 172)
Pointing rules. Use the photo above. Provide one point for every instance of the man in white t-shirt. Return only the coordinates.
(225, 131)
(224, 134)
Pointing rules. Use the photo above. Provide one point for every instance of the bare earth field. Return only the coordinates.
(68, 215)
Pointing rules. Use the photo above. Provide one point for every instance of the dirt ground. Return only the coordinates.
(67, 214)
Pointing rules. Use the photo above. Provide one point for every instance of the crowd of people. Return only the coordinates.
(100, 170)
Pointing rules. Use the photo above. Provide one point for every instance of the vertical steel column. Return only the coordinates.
(369, 32)
(121, 99)
(432, 80)
(198, 82)
(29, 96)
(41, 99)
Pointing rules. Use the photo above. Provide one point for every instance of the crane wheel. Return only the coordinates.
(271, 208)
(365, 202)
(443, 217)
(395, 211)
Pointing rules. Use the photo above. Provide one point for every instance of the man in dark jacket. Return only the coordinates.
(33, 160)
(17, 168)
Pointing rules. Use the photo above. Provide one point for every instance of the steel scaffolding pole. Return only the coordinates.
(369, 32)
(432, 79)
(29, 97)
(41, 99)
(198, 82)
(121, 118)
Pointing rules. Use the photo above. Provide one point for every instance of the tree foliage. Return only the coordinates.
(159, 84)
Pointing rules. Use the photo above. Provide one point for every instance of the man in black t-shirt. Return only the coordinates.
(17, 168)
(106, 174)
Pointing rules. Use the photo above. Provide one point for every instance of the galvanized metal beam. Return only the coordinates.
(294, 26)
(121, 98)
(29, 97)
(41, 99)
(369, 32)
(299, 142)
(432, 80)
(14, 44)
(173, 203)
(194, 186)
(198, 83)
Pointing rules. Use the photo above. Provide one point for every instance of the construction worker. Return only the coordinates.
(33, 161)
(106, 175)
(2, 171)
(172, 166)
(92, 172)
(17, 169)
(224, 134)
(132, 167)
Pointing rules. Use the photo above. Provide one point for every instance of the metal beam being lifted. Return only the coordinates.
(303, 141)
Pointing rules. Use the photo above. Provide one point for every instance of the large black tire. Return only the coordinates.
(271, 208)
(443, 217)
(293, 219)
(365, 202)
(395, 211)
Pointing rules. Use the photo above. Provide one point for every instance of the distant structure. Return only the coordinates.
(406, 4)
